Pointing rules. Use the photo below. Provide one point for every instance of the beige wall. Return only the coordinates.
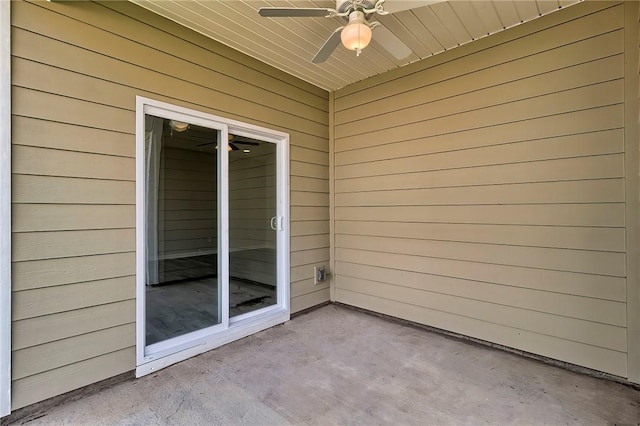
(77, 68)
(483, 191)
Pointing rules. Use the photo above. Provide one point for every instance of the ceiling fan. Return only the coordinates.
(356, 33)
(234, 141)
(195, 133)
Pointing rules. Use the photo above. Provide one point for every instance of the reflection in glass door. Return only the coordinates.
(252, 225)
(182, 287)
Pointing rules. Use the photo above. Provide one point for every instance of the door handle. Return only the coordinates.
(276, 223)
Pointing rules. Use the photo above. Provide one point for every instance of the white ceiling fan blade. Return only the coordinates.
(328, 47)
(391, 43)
(295, 12)
(393, 6)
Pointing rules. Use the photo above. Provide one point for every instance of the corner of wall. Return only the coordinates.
(632, 186)
(5, 208)
(332, 196)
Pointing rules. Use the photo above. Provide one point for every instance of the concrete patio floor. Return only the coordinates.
(339, 366)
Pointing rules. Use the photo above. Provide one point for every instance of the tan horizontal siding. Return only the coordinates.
(192, 79)
(309, 228)
(316, 255)
(309, 300)
(51, 134)
(309, 242)
(47, 106)
(68, 217)
(64, 379)
(483, 191)
(568, 79)
(306, 287)
(574, 192)
(77, 71)
(318, 171)
(50, 272)
(309, 184)
(580, 307)
(580, 238)
(506, 82)
(588, 332)
(594, 357)
(602, 214)
(592, 167)
(302, 272)
(298, 153)
(34, 189)
(588, 285)
(200, 50)
(72, 350)
(277, 80)
(409, 153)
(304, 213)
(583, 261)
(52, 245)
(69, 297)
(568, 123)
(53, 162)
(39, 330)
(553, 104)
(305, 140)
(303, 198)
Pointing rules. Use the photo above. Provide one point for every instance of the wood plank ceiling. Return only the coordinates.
(290, 43)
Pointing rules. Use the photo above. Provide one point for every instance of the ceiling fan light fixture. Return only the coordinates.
(357, 34)
(178, 126)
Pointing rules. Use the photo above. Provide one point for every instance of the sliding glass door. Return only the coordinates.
(212, 232)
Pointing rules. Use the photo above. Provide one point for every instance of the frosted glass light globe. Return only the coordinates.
(356, 36)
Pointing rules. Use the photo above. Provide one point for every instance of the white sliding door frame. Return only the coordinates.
(162, 354)
(5, 208)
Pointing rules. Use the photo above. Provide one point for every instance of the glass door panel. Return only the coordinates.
(253, 225)
(182, 292)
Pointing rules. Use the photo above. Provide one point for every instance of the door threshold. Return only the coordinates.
(236, 331)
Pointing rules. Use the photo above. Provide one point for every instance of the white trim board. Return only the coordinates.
(632, 184)
(5, 208)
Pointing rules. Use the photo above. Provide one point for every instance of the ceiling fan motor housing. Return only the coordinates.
(343, 6)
